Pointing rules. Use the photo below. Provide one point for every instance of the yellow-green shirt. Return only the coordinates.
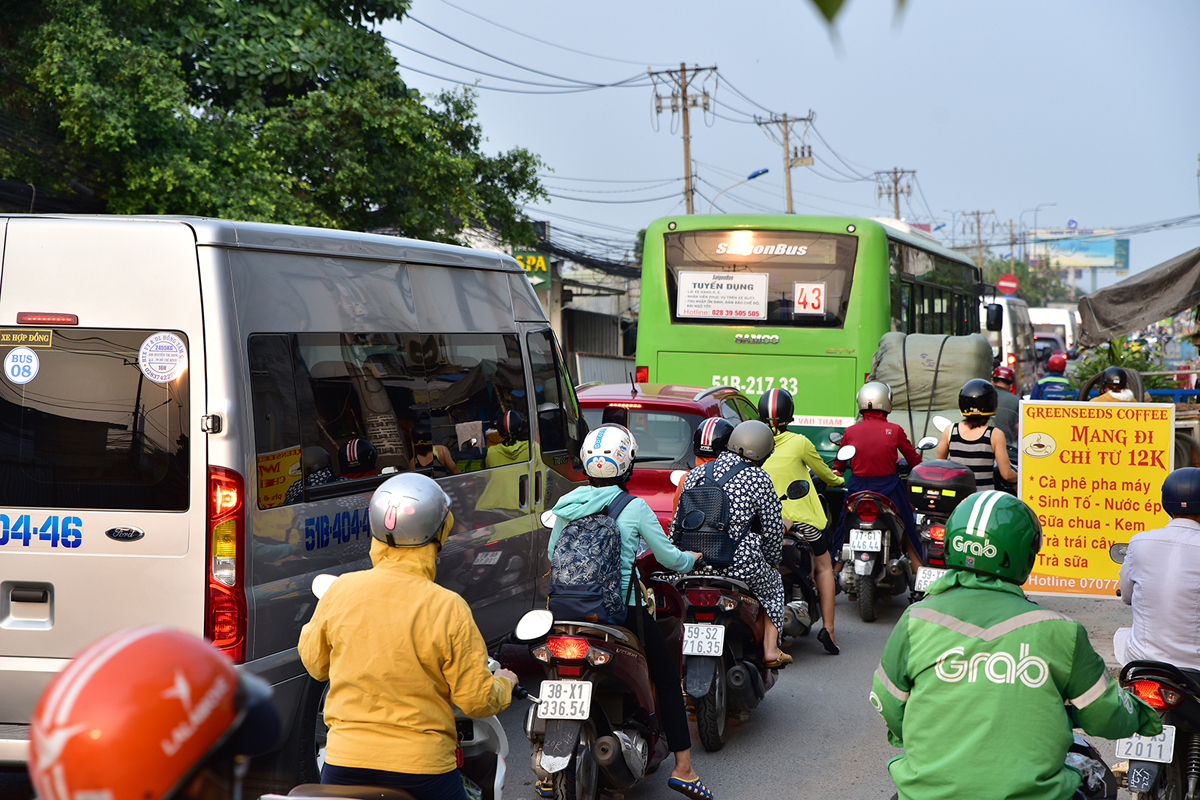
(794, 455)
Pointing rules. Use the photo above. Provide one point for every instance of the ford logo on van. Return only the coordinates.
(125, 534)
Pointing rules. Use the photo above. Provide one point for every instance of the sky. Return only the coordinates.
(1046, 110)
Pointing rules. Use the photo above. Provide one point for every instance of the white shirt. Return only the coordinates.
(1160, 578)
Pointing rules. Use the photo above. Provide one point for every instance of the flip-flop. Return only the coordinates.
(544, 789)
(783, 660)
(824, 638)
(694, 789)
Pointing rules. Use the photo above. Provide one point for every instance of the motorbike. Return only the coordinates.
(595, 728)
(935, 490)
(1167, 765)
(874, 561)
(723, 670)
(482, 749)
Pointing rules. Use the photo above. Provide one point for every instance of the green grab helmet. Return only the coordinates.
(993, 533)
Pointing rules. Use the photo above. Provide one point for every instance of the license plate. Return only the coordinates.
(565, 700)
(871, 541)
(1159, 748)
(703, 640)
(926, 576)
(488, 557)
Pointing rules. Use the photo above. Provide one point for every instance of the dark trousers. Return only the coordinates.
(672, 712)
(447, 786)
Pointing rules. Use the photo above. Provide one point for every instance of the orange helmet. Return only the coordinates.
(135, 714)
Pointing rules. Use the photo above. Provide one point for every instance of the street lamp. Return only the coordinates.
(1021, 219)
(749, 177)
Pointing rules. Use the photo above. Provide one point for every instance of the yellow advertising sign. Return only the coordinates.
(1093, 474)
(27, 337)
(276, 473)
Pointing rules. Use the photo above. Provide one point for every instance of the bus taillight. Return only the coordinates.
(642, 375)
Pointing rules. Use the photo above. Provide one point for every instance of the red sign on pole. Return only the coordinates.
(1007, 283)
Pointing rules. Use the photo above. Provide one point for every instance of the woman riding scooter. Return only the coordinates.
(608, 454)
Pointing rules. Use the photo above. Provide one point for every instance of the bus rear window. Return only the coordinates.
(84, 427)
(758, 277)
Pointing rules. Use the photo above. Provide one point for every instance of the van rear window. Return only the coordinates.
(95, 419)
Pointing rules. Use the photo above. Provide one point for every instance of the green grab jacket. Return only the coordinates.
(982, 687)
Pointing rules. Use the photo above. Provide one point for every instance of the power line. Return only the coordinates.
(605, 180)
(619, 191)
(613, 202)
(477, 85)
(475, 70)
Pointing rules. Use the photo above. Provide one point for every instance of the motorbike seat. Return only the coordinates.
(348, 792)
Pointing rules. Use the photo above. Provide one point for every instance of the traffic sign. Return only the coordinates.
(1007, 283)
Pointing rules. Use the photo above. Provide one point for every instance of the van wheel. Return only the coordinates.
(866, 598)
(300, 758)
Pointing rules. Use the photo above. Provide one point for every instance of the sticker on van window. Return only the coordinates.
(163, 357)
(30, 337)
(21, 365)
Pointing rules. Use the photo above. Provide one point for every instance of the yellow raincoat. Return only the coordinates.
(397, 650)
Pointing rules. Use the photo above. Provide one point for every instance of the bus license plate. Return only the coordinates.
(703, 640)
(926, 576)
(1159, 748)
(565, 700)
(871, 541)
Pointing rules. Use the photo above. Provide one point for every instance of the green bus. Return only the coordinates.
(797, 302)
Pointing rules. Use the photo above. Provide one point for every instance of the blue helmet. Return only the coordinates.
(1181, 492)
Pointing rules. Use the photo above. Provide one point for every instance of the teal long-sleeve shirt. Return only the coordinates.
(636, 522)
(982, 687)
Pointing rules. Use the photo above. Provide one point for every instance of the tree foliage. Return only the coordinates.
(1037, 287)
(281, 110)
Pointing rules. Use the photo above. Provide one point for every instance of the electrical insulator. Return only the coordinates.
(706, 101)
(658, 103)
(674, 103)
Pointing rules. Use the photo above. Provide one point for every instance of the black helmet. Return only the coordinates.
(977, 398)
(711, 437)
(1115, 378)
(776, 406)
(1181, 492)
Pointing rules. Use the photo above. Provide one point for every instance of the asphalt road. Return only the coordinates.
(814, 735)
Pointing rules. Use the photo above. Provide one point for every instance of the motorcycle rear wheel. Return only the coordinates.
(581, 779)
(712, 713)
(866, 598)
(1170, 786)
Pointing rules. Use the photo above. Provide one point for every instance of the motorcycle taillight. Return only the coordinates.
(937, 532)
(867, 511)
(568, 648)
(704, 597)
(1159, 697)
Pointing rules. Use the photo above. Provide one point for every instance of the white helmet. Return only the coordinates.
(875, 396)
(608, 451)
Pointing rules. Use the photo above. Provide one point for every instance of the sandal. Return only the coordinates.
(783, 660)
(544, 788)
(824, 638)
(694, 789)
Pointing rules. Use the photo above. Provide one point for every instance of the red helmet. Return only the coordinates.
(1057, 362)
(137, 713)
(1004, 374)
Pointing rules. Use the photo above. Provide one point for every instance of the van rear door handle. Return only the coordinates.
(29, 596)
(537, 488)
(523, 491)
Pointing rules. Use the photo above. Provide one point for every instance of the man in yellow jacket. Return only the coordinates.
(398, 650)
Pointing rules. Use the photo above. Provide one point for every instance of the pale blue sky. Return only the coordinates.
(1090, 104)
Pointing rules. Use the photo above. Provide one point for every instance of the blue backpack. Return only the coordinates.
(585, 571)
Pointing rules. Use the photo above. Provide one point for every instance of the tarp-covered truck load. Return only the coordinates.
(925, 372)
(1140, 300)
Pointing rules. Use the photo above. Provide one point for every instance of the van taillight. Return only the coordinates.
(225, 607)
(641, 375)
(45, 318)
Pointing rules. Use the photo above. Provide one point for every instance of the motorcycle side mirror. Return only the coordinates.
(677, 476)
(846, 453)
(469, 443)
(549, 518)
(928, 443)
(941, 423)
(321, 584)
(1117, 552)
(835, 437)
(797, 489)
(534, 625)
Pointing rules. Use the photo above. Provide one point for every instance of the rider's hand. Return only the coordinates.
(508, 673)
(696, 556)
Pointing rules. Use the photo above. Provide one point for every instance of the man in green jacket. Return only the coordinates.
(982, 687)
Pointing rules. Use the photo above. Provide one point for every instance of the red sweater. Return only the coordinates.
(876, 442)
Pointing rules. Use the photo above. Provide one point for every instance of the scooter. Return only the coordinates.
(595, 728)
(482, 748)
(875, 563)
(802, 607)
(935, 490)
(1167, 765)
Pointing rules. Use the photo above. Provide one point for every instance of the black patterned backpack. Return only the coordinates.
(701, 522)
(585, 570)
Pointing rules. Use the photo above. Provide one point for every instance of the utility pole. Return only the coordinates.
(679, 81)
(978, 215)
(894, 190)
(800, 156)
(1012, 245)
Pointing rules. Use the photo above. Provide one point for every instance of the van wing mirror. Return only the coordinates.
(995, 316)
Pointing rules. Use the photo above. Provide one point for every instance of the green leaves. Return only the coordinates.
(284, 110)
